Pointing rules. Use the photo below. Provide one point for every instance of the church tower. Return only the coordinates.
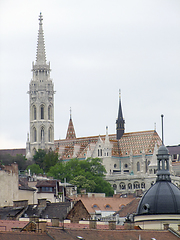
(120, 121)
(41, 100)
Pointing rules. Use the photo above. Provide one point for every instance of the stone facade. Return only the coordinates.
(9, 185)
(41, 101)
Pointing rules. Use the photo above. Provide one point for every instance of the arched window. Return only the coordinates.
(138, 166)
(49, 134)
(42, 112)
(35, 135)
(129, 186)
(122, 185)
(136, 185)
(114, 186)
(99, 152)
(142, 185)
(42, 134)
(34, 112)
(49, 113)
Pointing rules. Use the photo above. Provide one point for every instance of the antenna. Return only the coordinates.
(162, 129)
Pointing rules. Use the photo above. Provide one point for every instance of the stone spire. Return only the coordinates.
(70, 132)
(40, 54)
(41, 100)
(120, 121)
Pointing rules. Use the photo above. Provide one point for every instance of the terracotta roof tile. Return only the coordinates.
(104, 204)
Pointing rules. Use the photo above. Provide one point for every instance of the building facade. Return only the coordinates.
(129, 158)
(41, 101)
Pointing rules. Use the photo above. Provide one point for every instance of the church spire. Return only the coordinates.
(40, 54)
(70, 132)
(120, 121)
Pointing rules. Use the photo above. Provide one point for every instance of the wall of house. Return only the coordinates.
(9, 185)
(27, 195)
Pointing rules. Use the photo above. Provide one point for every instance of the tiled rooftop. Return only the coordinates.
(104, 203)
(133, 142)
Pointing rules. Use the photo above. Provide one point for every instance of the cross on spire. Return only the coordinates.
(40, 18)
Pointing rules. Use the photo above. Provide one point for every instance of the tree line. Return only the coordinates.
(85, 174)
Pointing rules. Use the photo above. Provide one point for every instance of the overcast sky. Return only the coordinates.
(95, 48)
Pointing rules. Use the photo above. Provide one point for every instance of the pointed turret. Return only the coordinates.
(120, 121)
(40, 54)
(70, 132)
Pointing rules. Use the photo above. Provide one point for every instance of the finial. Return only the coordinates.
(70, 112)
(155, 126)
(119, 93)
(162, 129)
(40, 18)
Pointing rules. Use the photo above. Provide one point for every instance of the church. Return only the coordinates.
(129, 158)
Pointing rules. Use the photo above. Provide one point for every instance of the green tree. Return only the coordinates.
(35, 168)
(39, 157)
(82, 183)
(87, 174)
(6, 159)
(50, 159)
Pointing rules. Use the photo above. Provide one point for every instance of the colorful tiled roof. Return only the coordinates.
(134, 143)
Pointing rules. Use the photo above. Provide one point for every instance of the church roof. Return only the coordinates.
(71, 131)
(136, 143)
(131, 143)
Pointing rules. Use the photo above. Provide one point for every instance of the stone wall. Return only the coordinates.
(8, 185)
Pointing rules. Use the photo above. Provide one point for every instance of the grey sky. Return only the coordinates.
(95, 48)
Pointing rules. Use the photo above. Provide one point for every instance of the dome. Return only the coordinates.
(162, 198)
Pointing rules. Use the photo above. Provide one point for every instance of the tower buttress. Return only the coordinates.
(41, 99)
(120, 122)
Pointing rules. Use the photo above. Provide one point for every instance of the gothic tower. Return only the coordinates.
(41, 100)
(120, 121)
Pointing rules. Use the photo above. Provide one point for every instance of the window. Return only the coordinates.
(47, 189)
(142, 185)
(136, 185)
(115, 165)
(34, 112)
(125, 165)
(114, 186)
(129, 186)
(42, 134)
(99, 152)
(122, 186)
(49, 134)
(138, 166)
(107, 206)
(42, 112)
(49, 113)
(35, 135)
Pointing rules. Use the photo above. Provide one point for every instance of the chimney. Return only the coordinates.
(42, 203)
(112, 225)
(92, 224)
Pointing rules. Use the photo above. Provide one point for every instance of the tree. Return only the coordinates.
(50, 159)
(87, 174)
(7, 159)
(82, 183)
(35, 168)
(39, 157)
